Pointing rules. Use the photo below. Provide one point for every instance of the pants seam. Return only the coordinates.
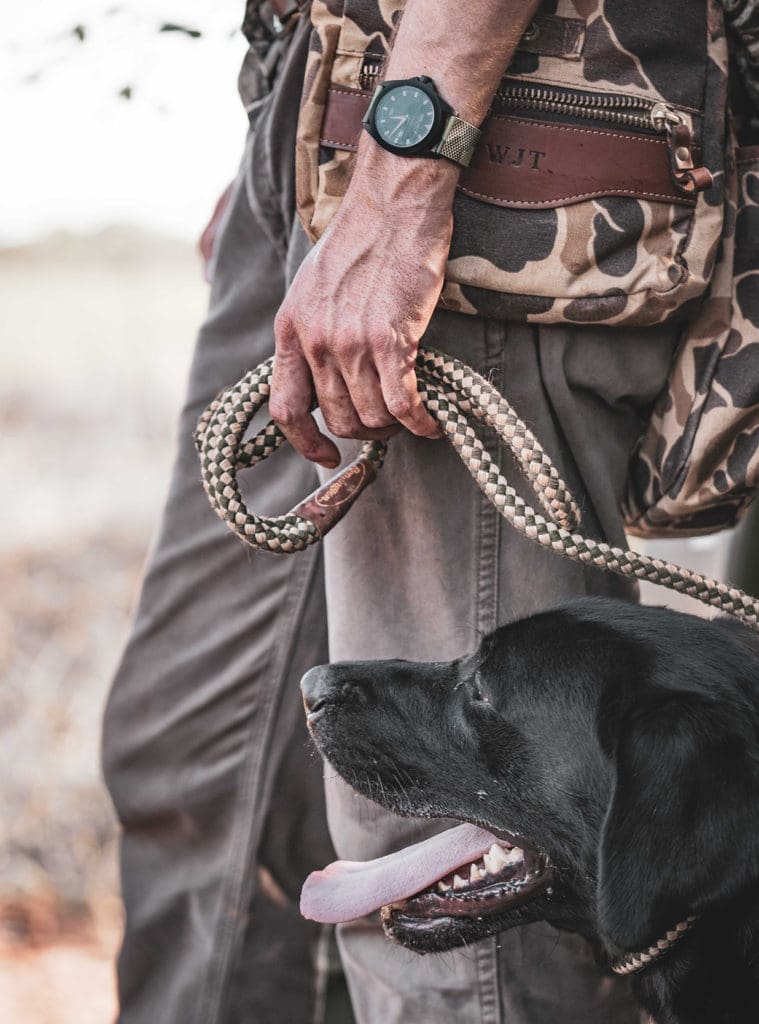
(487, 615)
(261, 193)
(322, 975)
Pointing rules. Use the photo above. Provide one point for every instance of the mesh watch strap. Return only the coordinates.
(459, 141)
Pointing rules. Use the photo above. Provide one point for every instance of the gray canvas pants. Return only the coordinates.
(420, 569)
(204, 748)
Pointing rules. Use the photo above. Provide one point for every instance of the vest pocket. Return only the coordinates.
(696, 468)
(587, 200)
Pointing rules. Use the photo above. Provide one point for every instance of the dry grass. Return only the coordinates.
(62, 970)
(97, 335)
(62, 984)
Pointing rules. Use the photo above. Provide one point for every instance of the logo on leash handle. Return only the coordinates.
(327, 505)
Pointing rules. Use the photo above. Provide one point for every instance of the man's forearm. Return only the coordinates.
(465, 49)
(350, 325)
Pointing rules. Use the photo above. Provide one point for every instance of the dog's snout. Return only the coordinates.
(315, 686)
(331, 684)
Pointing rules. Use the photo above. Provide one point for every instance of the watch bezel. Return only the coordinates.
(433, 136)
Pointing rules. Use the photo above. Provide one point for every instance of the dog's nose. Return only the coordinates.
(314, 686)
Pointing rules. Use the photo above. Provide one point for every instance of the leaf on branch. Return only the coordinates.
(79, 32)
(169, 26)
(126, 92)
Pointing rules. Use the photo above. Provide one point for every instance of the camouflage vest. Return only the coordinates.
(575, 207)
(573, 210)
(695, 469)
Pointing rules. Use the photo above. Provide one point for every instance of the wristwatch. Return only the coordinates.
(410, 118)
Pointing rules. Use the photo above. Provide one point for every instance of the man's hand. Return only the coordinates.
(350, 326)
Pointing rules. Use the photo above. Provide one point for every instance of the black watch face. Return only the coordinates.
(404, 116)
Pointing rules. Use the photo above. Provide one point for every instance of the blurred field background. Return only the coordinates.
(100, 296)
(101, 293)
(100, 331)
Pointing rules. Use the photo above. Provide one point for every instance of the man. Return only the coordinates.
(203, 732)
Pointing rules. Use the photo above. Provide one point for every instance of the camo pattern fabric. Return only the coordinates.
(742, 17)
(697, 466)
(611, 260)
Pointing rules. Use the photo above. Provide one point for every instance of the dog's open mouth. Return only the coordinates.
(462, 873)
(503, 878)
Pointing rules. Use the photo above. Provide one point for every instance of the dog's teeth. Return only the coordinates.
(483, 873)
(495, 859)
(458, 882)
(498, 856)
(442, 887)
(474, 873)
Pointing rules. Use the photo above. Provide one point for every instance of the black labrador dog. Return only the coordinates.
(606, 759)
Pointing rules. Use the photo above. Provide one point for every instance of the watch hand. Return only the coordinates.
(402, 118)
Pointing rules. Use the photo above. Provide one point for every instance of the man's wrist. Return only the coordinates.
(386, 181)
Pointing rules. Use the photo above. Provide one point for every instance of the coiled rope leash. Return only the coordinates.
(457, 397)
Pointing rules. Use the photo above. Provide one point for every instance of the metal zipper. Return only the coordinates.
(370, 73)
(627, 111)
(630, 111)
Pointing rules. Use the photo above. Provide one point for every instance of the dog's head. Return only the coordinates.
(609, 751)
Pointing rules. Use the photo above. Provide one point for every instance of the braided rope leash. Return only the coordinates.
(457, 397)
(219, 438)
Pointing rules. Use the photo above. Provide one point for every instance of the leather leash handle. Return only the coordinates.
(327, 505)
(219, 438)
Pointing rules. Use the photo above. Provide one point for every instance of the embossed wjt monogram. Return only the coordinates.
(516, 156)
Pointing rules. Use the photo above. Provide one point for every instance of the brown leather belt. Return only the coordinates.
(526, 163)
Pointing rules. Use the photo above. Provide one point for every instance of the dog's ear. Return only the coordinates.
(681, 834)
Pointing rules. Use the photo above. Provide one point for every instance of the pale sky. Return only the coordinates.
(75, 156)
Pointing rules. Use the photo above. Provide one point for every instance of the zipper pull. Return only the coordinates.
(684, 174)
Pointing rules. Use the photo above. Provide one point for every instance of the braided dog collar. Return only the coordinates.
(459, 399)
(634, 962)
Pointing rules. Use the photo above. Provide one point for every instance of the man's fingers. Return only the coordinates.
(403, 401)
(365, 390)
(347, 385)
(338, 410)
(289, 405)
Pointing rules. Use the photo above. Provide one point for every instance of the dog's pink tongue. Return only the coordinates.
(349, 889)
